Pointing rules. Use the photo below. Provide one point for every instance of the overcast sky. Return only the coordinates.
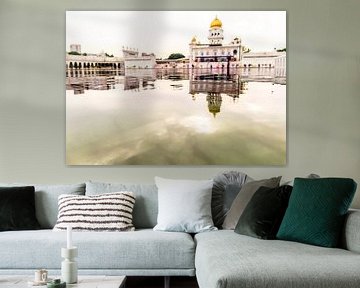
(166, 32)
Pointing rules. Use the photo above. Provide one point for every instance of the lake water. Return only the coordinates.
(159, 117)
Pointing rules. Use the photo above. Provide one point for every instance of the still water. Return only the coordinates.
(163, 117)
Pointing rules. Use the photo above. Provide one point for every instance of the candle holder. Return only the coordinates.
(69, 271)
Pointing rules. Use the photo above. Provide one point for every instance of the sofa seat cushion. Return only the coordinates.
(142, 249)
(226, 259)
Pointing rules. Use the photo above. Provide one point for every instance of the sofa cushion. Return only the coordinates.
(46, 200)
(146, 205)
(184, 205)
(263, 214)
(225, 189)
(17, 209)
(243, 198)
(137, 250)
(317, 209)
(105, 212)
(225, 259)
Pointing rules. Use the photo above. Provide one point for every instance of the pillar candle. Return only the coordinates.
(69, 237)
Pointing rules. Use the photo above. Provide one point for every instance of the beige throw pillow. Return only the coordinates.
(243, 198)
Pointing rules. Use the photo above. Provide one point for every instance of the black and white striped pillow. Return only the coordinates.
(105, 212)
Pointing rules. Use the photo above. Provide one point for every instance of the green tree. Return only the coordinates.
(176, 56)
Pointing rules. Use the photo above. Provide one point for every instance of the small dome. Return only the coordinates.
(193, 40)
(216, 23)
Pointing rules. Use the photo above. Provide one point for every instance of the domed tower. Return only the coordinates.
(216, 33)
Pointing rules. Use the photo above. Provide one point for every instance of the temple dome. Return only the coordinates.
(216, 23)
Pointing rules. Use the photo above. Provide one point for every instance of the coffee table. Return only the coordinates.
(84, 281)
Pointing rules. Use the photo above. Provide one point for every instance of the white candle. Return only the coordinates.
(69, 239)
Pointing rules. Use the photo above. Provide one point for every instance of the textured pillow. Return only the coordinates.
(243, 198)
(17, 209)
(184, 205)
(106, 212)
(226, 187)
(316, 211)
(46, 200)
(146, 205)
(263, 215)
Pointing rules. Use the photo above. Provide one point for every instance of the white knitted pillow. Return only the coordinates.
(105, 212)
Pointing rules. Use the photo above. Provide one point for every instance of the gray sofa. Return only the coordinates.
(218, 259)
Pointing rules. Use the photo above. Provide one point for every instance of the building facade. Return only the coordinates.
(280, 66)
(215, 54)
(133, 60)
(261, 59)
(75, 48)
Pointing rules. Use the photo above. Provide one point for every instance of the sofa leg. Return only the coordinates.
(167, 282)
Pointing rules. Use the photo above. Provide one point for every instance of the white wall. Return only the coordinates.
(323, 91)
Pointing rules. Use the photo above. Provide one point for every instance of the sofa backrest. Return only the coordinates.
(146, 203)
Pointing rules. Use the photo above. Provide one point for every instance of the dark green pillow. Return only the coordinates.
(316, 211)
(17, 208)
(264, 212)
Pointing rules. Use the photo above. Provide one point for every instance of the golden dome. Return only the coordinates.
(193, 40)
(216, 23)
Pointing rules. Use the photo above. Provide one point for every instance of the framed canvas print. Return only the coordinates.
(176, 88)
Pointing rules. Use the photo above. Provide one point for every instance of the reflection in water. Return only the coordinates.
(214, 85)
(176, 116)
(80, 80)
(214, 103)
(173, 74)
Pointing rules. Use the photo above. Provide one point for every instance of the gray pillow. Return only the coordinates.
(310, 176)
(184, 205)
(226, 187)
(146, 204)
(243, 198)
(46, 200)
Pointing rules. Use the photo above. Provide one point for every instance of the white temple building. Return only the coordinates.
(215, 54)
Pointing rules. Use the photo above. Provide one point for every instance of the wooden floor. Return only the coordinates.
(158, 282)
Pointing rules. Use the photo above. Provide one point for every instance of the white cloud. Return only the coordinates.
(164, 32)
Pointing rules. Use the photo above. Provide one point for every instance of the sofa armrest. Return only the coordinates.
(351, 233)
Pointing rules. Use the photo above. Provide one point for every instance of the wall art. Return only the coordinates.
(176, 88)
